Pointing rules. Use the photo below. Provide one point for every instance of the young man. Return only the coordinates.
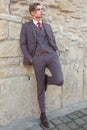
(40, 50)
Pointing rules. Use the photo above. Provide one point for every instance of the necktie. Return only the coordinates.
(39, 25)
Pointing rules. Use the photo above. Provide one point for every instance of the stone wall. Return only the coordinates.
(18, 97)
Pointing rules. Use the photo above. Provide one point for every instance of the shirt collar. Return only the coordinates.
(35, 22)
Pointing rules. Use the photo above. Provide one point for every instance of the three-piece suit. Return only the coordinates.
(40, 47)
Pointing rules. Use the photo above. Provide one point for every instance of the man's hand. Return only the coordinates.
(58, 53)
(30, 62)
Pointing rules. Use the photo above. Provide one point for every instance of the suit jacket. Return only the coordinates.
(28, 40)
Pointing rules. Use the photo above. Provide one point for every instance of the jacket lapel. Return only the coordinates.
(48, 31)
(33, 30)
(45, 27)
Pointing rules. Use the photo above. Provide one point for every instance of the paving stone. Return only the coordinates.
(56, 121)
(80, 121)
(65, 119)
(51, 125)
(36, 127)
(63, 127)
(55, 129)
(74, 121)
(72, 116)
(80, 129)
(85, 126)
(79, 113)
(84, 111)
(72, 125)
(1, 127)
(84, 118)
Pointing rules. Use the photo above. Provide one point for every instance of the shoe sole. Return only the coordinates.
(45, 127)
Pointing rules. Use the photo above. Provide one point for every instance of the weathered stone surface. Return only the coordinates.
(29, 1)
(23, 2)
(20, 10)
(75, 2)
(85, 83)
(14, 30)
(53, 96)
(17, 82)
(3, 29)
(14, 0)
(66, 6)
(11, 18)
(10, 49)
(15, 71)
(73, 87)
(9, 62)
(76, 15)
(20, 1)
(4, 6)
(85, 55)
(15, 99)
(52, 4)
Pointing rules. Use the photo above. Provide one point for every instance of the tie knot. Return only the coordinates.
(39, 25)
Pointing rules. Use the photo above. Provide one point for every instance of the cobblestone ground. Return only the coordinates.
(73, 121)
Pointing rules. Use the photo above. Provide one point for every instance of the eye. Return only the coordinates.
(39, 9)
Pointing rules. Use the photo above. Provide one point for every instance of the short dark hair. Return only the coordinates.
(33, 6)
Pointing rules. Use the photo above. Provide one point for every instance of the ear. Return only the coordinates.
(33, 13)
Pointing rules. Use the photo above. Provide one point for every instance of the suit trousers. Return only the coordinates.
(40, 63)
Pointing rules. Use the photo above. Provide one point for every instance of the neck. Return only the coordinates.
(37, 19)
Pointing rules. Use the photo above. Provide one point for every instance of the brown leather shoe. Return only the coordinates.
(45, 82)
(44, 122)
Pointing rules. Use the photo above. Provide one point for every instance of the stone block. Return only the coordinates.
(10, 62)
(3, 29)
(73, 87)
(52, 4)
(74, 54)
(16, 71)
(53, 97)
(14, 1)
(29, 1)
(66, 6)
(18, 98)
(76, 15)
(14, 30)
(75, 2)
(85, 84)
(4, 6)
(20, 10)
(13, 18)
(10, 48)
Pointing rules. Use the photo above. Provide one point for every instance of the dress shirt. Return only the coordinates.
(35, 22)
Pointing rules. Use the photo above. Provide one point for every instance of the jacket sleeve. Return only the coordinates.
(23, 43)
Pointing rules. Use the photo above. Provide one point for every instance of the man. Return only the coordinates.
(40, 50)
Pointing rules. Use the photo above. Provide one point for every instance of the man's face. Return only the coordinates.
(38, 12)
